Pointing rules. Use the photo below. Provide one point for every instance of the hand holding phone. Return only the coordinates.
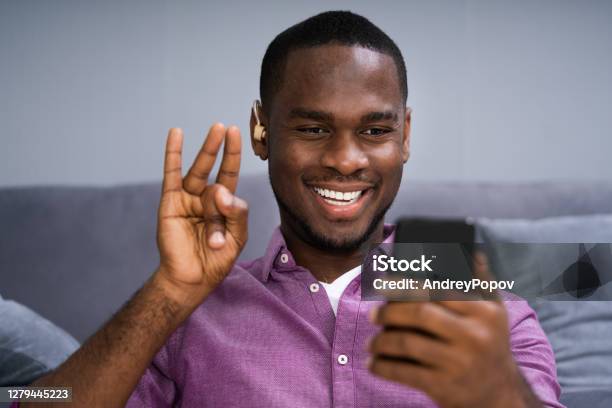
(458, 352)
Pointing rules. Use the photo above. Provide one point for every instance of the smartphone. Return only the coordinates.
(448, 242)
(427, 230)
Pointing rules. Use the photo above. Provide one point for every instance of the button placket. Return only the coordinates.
(343, 348)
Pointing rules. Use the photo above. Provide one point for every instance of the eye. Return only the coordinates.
(313, 130)
(376, 131)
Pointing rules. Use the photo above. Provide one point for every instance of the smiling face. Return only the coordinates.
(338, 136)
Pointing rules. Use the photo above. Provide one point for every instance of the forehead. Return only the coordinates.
(337, 78)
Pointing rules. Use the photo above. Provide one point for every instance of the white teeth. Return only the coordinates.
(334, 202)
(338, 197)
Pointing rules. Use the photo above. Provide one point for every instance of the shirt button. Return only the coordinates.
(284, 258)
(314, 287)
(342, 359)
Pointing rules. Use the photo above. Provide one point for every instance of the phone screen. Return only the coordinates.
(425, 230)
(450, 241)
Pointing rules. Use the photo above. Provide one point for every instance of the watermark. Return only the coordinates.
(439, 271)
(35, 394)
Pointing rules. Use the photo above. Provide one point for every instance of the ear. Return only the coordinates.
(406, 135)
(260, 147)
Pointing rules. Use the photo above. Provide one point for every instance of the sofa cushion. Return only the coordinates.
(30, 345)
(76, 254)
(579, 330)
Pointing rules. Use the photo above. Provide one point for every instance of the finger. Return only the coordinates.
(469, 308)
(483, 272)
(426, 316)
(172, 161)
(411, 345)
(197, 177)
(213, 219)
(230, 165)
(235, 210)
(403, 372)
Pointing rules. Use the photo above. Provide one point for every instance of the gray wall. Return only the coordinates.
(507, 91)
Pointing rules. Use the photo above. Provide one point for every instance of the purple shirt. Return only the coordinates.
(268, 337)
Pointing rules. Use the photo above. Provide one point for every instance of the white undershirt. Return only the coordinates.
(335, 289)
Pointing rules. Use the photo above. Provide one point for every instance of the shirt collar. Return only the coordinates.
(278, 256)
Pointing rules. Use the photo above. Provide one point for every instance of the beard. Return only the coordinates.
(322, 242)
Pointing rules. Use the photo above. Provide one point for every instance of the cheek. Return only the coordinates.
(285, 164)
(388, 157)
(284, 158)
(388, 163)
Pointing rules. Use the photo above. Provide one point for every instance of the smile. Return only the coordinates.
(338, 197)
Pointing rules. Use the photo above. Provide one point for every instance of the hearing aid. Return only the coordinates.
(259, 131)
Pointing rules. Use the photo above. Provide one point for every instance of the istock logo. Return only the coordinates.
(384, 263)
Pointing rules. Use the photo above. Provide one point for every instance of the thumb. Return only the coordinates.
(213, 218)
(235, 210)
(483, 272)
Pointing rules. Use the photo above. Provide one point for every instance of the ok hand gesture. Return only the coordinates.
(202, 226)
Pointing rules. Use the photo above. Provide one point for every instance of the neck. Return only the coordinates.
(327, 265)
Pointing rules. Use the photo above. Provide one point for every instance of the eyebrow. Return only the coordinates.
(311, 114)
(379, 116)
(328, 117)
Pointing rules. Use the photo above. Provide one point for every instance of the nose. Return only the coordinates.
(344, 153)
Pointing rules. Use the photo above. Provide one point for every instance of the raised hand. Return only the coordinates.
(202, 227)
(201, 230)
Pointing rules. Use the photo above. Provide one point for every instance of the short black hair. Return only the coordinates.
(342, 27)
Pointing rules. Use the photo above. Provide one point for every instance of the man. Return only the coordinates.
(334, 128)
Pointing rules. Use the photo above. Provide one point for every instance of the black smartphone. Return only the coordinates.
(428, 230)
(449, 243)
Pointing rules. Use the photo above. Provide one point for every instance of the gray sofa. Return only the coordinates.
(76, 254)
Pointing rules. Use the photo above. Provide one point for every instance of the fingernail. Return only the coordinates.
(216, 239)
(368, 362)
(226, 198)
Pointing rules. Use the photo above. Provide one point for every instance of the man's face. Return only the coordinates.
(338, 139)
